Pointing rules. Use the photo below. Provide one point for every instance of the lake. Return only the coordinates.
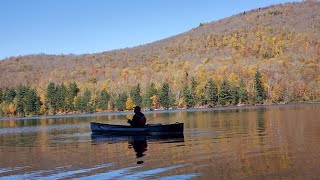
(267, 142)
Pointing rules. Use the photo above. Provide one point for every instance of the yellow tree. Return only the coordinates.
(43, 109)
(155, 102)
(129, 104)
(277, 94)
(11, 109)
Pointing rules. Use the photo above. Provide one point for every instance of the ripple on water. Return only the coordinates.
(33, 129)
(98, 172)
(55, 173)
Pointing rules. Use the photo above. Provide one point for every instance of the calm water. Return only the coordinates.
(256, 143)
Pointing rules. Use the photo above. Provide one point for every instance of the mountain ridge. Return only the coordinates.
(282, 41)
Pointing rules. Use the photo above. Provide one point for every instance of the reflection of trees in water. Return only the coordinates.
(261, 121)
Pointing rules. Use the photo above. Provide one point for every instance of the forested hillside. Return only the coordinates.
(267, 55)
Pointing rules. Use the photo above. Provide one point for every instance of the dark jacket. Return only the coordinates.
(138, 120)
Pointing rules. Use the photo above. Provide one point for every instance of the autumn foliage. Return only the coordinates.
(211, 65)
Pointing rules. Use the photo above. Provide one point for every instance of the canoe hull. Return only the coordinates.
(150, 129)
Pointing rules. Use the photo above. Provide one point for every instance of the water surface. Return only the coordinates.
(256, 143)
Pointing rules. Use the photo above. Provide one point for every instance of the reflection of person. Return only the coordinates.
(139, 144)
(138, 119)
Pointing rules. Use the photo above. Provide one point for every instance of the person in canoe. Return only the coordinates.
(138, 119)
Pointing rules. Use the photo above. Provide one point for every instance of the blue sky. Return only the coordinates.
(89, 26)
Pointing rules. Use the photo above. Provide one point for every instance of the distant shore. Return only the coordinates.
(160, 111)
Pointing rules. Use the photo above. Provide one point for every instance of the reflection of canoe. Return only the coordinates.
(164, 138)
(137, 142)
(111, 138)
(150, 129)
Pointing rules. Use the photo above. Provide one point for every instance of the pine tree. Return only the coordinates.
(20, 100)
(51, 97)
(243, 94)
(136, 95)
(187, 96)
(147, 98)
(234, 95)
(224, 94)
(86, 100)
(61, 95)
(1, 96)
(103, 100)
(27, 101)
(164, 96)
(72, 92)
(38, 104)
(211, 91)
(260, 94)
(9, 95)
(78, 103)
(82, 102)
(121, 101)
(193, 91)
(33, 102)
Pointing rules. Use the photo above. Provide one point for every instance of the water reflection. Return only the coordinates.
(261, 121)
(138, 143)
(254, 143)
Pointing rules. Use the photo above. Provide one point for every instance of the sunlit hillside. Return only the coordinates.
(282, 42)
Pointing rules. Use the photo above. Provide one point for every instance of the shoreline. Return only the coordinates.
(160, 111)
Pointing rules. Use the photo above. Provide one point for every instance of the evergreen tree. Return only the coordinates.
(174, 99)
(211, 92)
(193, 91)
(72, 92)
(187, 96)
(86, 100)
(224, 93)
(79, 103)
(51, 97)
(121, 101)
(136, 95)
(20, 100)
(164, 96)
(82, 102)
(1, 96)
(243, 94)
(234, 95)
(30, 100)
(38, 104)
(27, 101)
(260, 94)
(9, 95)
(2, 113)
(61, 96)
(147, 98)
(33, 102)
(103, 100)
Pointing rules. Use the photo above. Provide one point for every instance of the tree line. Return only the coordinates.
(67, 98)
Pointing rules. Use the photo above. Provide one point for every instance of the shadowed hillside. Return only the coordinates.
(282, 42)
